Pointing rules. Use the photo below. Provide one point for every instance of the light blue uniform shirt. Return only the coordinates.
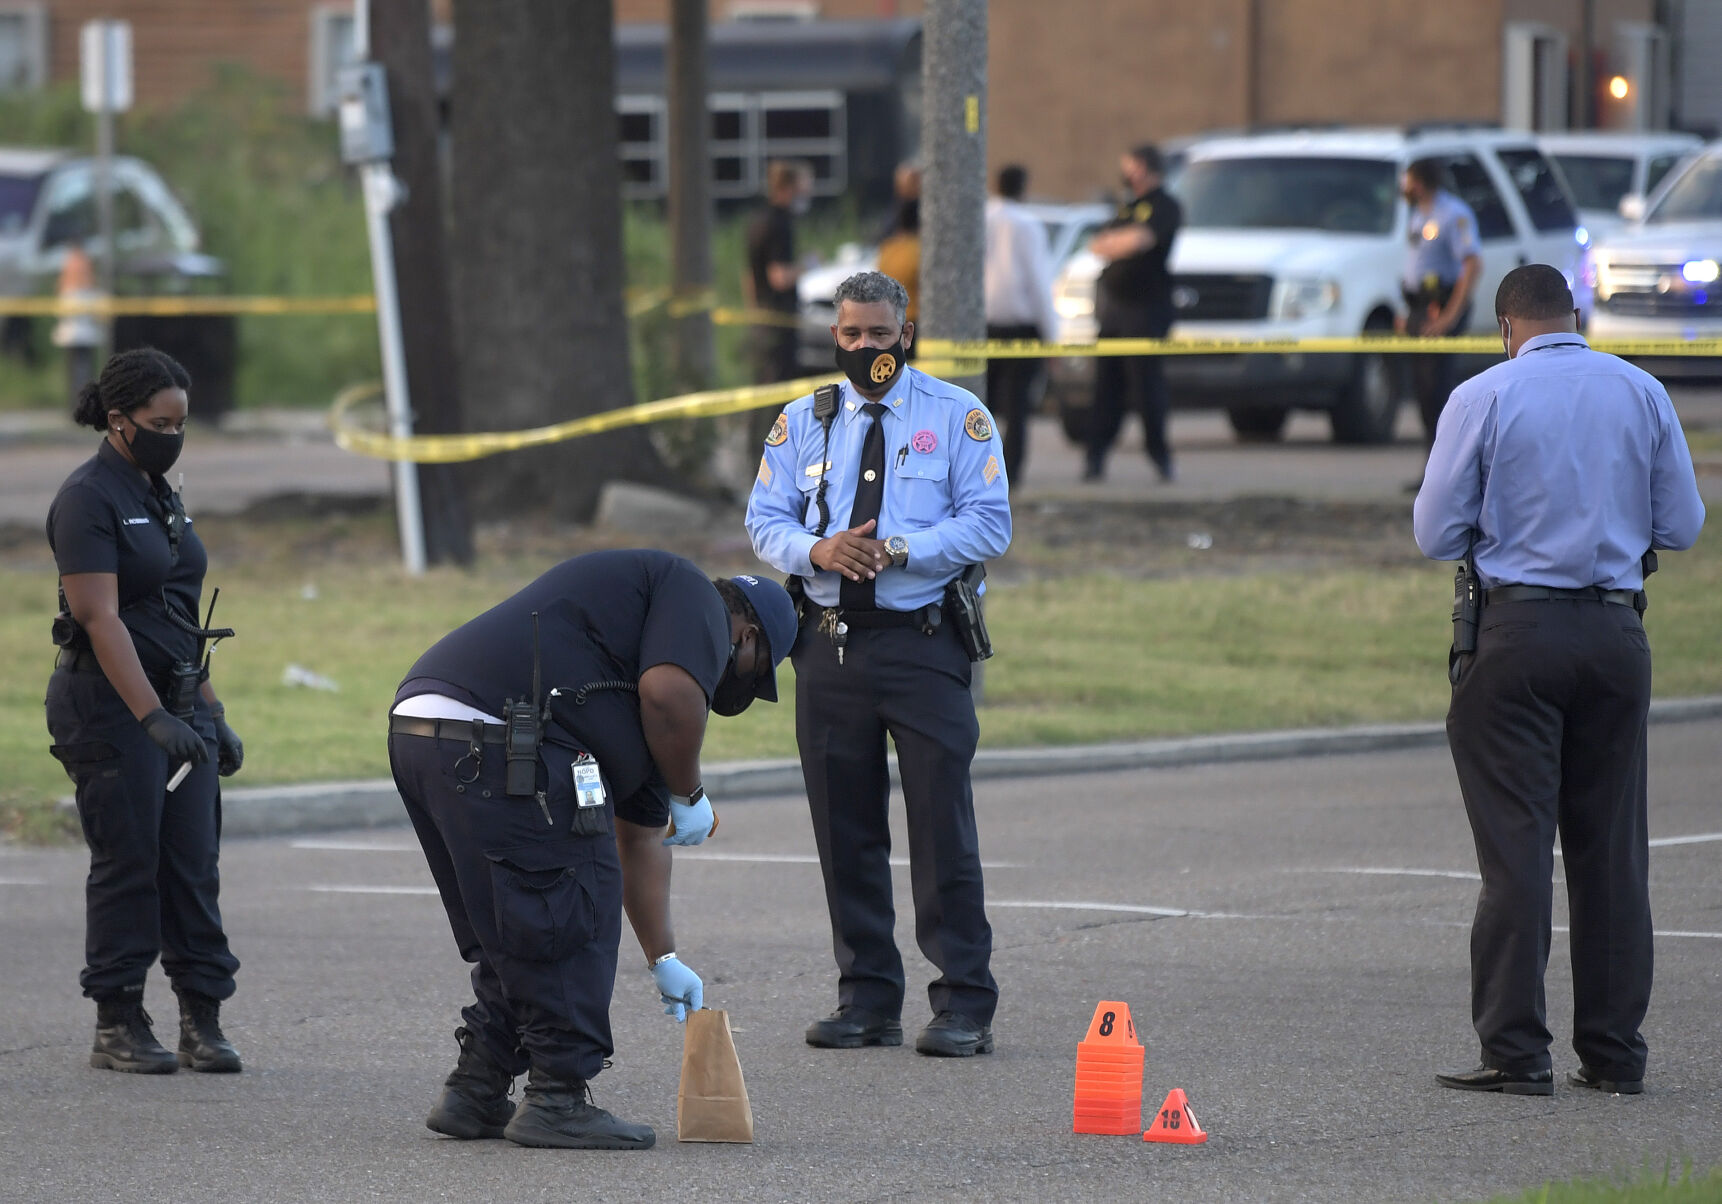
(1437, 241)
(1567, 463)
(945, 488)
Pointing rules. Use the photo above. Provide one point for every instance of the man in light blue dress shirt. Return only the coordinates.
(1558, 471)
(908, 472)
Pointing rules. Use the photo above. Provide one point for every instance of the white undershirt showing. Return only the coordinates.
(440, 706)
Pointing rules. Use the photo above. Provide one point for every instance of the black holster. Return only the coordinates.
(963, 604)
(177, 689)
(1467, 610)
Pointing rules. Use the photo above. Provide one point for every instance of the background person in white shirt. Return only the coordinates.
(1019, 306)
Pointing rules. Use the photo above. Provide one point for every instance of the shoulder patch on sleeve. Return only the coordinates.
(1464, 224)
(1144, 211)
(978, 425)
(779, 430)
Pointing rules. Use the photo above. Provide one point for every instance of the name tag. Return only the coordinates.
(137, 522)
(814, 470)
(588, 783)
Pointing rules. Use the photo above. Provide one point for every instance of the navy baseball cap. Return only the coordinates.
(777, 621)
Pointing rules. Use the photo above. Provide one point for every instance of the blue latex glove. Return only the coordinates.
(679, 988)
(692, 818)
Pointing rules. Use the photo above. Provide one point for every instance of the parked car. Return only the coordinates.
(1604, 168)
(48, 202)
(1660, 278)
(1301, 234)
(1068, 228)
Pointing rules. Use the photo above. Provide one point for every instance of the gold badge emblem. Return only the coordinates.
(884, 368)
(779, 431)
(978, 426)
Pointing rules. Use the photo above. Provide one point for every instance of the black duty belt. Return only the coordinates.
(447, 729)
(78, 660)
(1545, 593)
(925, 616)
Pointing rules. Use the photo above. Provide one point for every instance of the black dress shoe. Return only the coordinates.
(1584, 1076)
(951, 1035)
(1487, 1078)
(850, 1027)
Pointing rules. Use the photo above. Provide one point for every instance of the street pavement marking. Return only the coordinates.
(1665, 841)
(357, 846)
(22, 882)
(1471, 875)
(372, 890)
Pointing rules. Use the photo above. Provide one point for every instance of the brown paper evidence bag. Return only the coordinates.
(712, 1103)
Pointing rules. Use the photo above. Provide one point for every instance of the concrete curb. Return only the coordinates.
(321, 806)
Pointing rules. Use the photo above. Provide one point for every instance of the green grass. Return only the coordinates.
(1080, 659)
(1670, 1185)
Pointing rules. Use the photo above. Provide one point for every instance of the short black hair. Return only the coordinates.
(1148, 155)
(1431, 173)
(127, 382)
(1013, 181)
(1536, 291)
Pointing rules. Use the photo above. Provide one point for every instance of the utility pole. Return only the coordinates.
(954, 189)
(400, 33)
(690, 203)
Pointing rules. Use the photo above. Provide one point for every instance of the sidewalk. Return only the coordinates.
(324, 806)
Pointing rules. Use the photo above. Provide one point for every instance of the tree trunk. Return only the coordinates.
(400, 40)
(690, 209)
(537, 242)
(953, 196)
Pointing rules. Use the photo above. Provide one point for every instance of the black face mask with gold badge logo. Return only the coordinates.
(872, 368)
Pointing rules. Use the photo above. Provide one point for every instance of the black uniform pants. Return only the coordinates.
(535, 907)
(1547, 728)
(914, 688)
(154, 884)
(1122, 381)
(1433, 377)
(1009, 384)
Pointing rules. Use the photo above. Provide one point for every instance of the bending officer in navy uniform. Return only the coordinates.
(1558, 470)
(911, 480)
(137, 724)
(634, 648)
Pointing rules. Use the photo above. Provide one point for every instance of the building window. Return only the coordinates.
(747, 130)
(23, 47)
(332, 48)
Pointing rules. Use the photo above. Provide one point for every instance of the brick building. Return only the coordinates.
(1072, 82)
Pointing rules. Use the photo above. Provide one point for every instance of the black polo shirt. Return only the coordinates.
(1142, 281)
(109, 518)
(771, 239)
(602, 617)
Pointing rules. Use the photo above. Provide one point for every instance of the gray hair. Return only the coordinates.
(865, 288)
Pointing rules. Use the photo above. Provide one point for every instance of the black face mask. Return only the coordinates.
(872, 368)
(732, 694)
(154, 451)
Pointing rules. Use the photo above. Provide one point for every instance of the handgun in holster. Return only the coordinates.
(963, 603)
(1467, 610)
(1646, 566)
(523, 725)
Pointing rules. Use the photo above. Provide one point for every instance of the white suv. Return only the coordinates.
(1660, 278)
(1301, 234)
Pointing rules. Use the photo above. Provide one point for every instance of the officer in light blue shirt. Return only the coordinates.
(878, 495)
(1442, 263)
(1558, 470)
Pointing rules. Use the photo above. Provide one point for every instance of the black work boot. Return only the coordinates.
(474, 1099)
(202, 1046)
(559, 1114)
(124, 1040)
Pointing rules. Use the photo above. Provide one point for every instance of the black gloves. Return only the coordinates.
(229, 752)
(175, 736)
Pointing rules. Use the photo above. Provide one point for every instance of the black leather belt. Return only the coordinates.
(447, 729)
(78, 660)
(1545, 593)
(926, 616)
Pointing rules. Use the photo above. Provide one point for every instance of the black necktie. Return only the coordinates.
(869, 493)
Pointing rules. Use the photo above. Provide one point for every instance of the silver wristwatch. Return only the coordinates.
(897, 548)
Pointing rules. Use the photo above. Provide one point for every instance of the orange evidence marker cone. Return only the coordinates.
(1175, 1123)
(1109, 1074)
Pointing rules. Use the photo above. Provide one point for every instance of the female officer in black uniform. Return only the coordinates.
(129, 704)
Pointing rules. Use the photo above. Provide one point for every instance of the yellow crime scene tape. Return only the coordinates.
(109, 307)
(1384, 344)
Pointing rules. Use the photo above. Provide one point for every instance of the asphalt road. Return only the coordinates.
(272, 454)
(1291, 938)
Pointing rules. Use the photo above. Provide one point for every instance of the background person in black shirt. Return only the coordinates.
(1133, 300)
(125, 709)
(773, 269)
(638, 647)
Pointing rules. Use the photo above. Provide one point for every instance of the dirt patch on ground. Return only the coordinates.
(1053, 538)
